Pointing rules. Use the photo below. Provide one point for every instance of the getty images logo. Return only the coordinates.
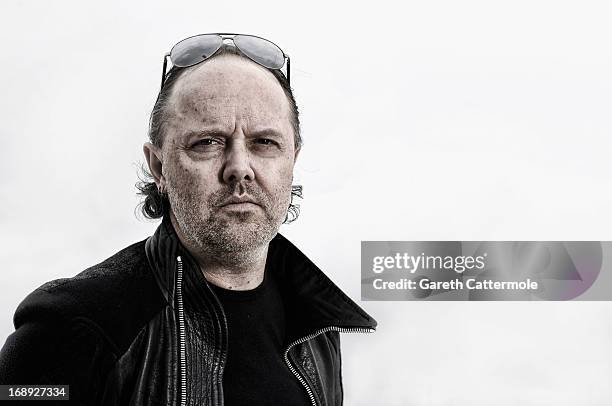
(413, 263)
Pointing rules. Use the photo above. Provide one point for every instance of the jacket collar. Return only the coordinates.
(313, 300)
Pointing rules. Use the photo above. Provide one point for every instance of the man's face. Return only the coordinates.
(228, 155)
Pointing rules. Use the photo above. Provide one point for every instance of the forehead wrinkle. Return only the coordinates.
(216, 110)
(201, 99)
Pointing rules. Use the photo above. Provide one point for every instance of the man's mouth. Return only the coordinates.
(243, 202)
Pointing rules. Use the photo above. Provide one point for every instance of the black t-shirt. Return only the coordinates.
(255, 372)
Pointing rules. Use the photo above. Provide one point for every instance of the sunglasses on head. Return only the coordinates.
(199, 48)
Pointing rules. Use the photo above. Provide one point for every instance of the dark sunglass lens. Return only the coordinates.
(193, 50)
(261, 51)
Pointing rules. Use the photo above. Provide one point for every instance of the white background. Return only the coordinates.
(437, 120)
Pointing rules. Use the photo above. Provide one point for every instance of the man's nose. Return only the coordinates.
(238, 163)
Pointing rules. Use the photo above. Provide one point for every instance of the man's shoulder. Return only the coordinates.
(116, 297)
(114, 270)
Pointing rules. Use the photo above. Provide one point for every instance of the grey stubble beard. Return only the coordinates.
(234, 240)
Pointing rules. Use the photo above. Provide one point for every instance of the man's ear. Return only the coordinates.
(297, 152)
(154, 160)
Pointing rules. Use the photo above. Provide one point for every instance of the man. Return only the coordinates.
(216, 307)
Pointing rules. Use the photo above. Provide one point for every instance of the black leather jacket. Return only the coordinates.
(144, 328)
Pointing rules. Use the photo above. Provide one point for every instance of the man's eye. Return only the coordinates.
(205, 142)
(265, 141)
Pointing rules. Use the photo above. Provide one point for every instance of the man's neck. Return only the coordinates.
(241, 271)
(231, 278)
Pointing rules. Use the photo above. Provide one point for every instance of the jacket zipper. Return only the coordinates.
(181, 317)
(309, 337)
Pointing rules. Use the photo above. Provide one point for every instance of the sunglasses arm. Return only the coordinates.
(164, 69)
(288, 69)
